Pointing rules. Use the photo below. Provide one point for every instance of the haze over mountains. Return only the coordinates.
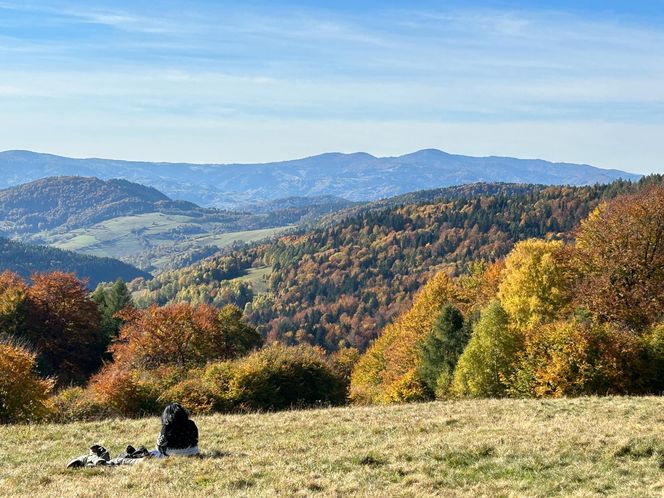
(356, 177)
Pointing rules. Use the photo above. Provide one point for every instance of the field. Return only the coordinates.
(578, 447)
(131, 235)
(258, 278)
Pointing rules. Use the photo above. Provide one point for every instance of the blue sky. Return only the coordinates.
(215, 81)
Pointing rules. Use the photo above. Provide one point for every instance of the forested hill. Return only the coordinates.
(72, 202)
(26, 259)
(340, 283)
(357, 177)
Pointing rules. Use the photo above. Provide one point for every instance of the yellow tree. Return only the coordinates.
(395, 354)
(536, 283)
(572, 358)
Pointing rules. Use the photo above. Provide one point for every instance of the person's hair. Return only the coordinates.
(174, 413)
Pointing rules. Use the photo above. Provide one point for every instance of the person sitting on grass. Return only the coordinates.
(178, 437)
(179, 434)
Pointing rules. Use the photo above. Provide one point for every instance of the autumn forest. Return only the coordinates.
(483, 290)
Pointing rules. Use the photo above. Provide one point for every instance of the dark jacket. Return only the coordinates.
(178, 434)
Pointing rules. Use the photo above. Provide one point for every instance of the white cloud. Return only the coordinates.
(524, 83)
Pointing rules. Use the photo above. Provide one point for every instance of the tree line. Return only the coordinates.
(550, 319)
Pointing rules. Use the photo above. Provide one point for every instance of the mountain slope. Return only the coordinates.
(139, 224)
(341, 282)
(357, 177)
(26, 259)
(72, 202)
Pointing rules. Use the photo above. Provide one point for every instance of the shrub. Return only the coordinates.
(218, 377)
(280, 377)
(343, 361)
(122, 392)
(193, 393)
(23, 394)
(74, 404)
(653, 343)
(573, 358)
(408, 388)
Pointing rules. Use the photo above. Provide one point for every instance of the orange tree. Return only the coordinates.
(23, 394)
(183, 336)
(63, 325)
(13, 304)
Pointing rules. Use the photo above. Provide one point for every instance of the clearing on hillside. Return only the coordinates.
(577, 447)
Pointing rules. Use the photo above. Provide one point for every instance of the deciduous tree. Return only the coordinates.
(489, 360)
(621, 257)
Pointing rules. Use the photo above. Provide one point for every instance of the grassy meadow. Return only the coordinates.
(131, 235)
(577, 447)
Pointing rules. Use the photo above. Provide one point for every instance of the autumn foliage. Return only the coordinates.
(394, 354)
(182, 335)
(56, 318)
(620, 257)
(557, 319)
(23, 394)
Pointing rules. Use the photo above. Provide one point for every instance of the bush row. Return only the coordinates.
(273, 378)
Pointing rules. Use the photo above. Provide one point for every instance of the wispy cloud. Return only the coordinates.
(214, 62)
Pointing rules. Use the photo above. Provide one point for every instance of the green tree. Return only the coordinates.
(441, 348)
(240, 338)
(110, 300)
(489, 360)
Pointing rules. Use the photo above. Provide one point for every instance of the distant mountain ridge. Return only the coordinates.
(356, 177)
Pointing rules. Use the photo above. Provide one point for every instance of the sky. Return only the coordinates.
(220, 82)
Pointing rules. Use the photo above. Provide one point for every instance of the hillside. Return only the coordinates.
(357, 177)
(566, 447)
(342, 282)
(26, 259)
(65, 203)
(139, 224)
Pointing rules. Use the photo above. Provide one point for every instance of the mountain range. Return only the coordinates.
(355, 177)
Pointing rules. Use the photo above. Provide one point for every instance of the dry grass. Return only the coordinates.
(579, 447)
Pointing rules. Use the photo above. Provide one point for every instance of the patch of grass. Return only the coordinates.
(127, 236)
(577, 447)
(640, 448)
(257, 277)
